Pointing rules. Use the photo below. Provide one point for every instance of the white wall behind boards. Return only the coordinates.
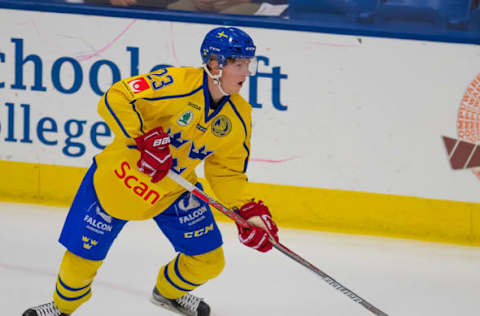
(330, 111)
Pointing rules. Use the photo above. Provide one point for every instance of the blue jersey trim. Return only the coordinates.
(72, 298)
(115, 116)
(245, 165)
(206, 95)
(174, 96)
(139, 117)
(171, 282)
(244, 21)
(180, 276)
(71, 288)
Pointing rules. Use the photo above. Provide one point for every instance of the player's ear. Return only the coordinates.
(213, 66)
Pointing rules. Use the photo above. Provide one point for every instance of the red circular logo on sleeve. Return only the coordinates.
(138, 85)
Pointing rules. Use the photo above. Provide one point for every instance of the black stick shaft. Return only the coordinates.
(241, 221)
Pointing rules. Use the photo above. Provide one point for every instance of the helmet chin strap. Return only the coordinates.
(216, 79)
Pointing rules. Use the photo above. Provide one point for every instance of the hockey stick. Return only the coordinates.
(238, 219)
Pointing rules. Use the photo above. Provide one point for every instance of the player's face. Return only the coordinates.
(234, 75)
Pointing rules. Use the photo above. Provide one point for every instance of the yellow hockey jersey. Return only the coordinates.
(177, 99)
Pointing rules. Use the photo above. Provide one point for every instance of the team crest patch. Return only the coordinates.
(185, 119)
(222, 126)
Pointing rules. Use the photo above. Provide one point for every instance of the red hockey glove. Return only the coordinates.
(155, 158)
(261, 227)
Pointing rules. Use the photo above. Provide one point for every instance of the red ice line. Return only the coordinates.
(273, 160)
(86, 57)
(172, 43)
(32, 22)
(102, 283)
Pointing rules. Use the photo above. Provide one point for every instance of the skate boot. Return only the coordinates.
(188, 304)
(49, 309)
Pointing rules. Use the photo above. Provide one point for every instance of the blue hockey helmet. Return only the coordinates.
(225, 42)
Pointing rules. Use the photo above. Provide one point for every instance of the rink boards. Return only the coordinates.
(347, 130)
(292, 206)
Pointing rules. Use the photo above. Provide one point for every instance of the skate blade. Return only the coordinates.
(166, 306)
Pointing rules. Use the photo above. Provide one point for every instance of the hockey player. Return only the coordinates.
(171, 119)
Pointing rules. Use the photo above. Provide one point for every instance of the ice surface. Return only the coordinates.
(401, 277)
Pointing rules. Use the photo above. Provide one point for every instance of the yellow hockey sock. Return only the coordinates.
(185, 273)
(74, 281)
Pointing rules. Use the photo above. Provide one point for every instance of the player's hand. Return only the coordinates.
(155, 158)
(262, 228)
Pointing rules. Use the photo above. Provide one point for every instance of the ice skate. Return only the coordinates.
(188, 304)
(49, 309)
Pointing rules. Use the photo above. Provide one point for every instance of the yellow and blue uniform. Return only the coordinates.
(114, 191)
(178, 100)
